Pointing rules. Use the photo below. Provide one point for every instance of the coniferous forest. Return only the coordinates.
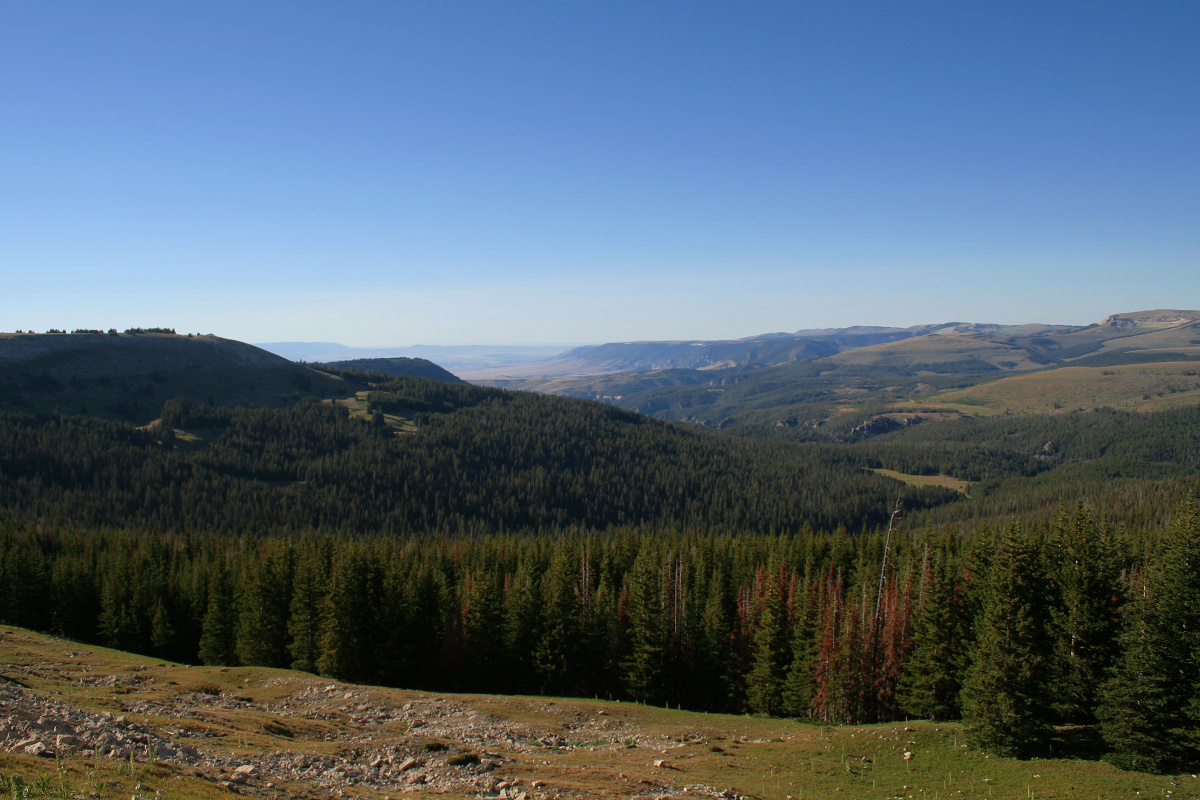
(513, 543)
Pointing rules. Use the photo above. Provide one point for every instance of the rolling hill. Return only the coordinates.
(129, 375)
(399, 365)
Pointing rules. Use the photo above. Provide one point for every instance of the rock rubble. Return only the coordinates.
(427, 744)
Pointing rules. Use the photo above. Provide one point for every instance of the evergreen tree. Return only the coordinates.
(217, 629)
(800, 684)
(119, 624)
(264, 599)
(347, 619)
(1005, 701)
(768, 643)
(482, 632)
(1084, 622)
(304, 617)
(600, 634)
(714, 658)
(162, 634)
(556, 658)
(1148, 709)
(521, 615)
(642, 671)
(932, 678)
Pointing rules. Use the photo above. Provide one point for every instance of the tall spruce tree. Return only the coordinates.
(263, 603)
(1006, 703)
(483, 632)
(769, 648)
(556, 658)
(1148, 709)
(800, 683)
(932, 677)
(304, 617)
(347, 627)
(714, 657)
(1084, 621)
(217, 630)
(162, 634)
(642, 671)
(521, 615)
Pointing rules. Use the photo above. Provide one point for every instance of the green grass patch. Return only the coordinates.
(944, 481)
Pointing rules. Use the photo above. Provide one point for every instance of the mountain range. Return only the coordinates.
(771, 379)
(1004, 346)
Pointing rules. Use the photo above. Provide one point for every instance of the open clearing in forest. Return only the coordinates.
(945, 481)
(298, 735)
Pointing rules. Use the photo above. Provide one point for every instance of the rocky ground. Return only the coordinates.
(269, 733)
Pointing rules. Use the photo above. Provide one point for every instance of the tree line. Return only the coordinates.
(1013, 629)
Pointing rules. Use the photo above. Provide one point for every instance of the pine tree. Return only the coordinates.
(162, 634)
(347, 614)
(118, 623)
(714, 657)
(600, 634)
(521, 615)
(932, 678)
(642, 671)
(828, 697)
(799, 686)
(768, 642)
(482, 632)
(1148, 710)
(556, 658)
(892, 643)
(217, 630)
(304, 610)
(1084, 622)
(1006, 706)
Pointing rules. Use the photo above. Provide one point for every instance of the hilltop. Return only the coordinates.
(129, 375)
(399, 365)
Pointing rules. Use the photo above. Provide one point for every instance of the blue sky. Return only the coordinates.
(395, 173)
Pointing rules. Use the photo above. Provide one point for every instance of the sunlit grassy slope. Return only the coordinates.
(1140, 387)
(546, 747)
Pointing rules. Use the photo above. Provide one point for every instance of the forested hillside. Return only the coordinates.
(127, 376)
(480, 460)
(437, 457)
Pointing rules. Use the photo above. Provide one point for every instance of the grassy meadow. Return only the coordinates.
(592, 748)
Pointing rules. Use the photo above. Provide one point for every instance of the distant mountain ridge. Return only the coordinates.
(413, 367)
(785, 380)
(453, 357)
(1024, 345)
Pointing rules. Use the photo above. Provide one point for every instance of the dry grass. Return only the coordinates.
(945, 481)
(596, 749)
(1137, 387)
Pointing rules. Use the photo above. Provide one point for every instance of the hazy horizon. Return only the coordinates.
(466, 174)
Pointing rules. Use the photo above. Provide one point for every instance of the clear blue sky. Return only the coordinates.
(394, 173)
